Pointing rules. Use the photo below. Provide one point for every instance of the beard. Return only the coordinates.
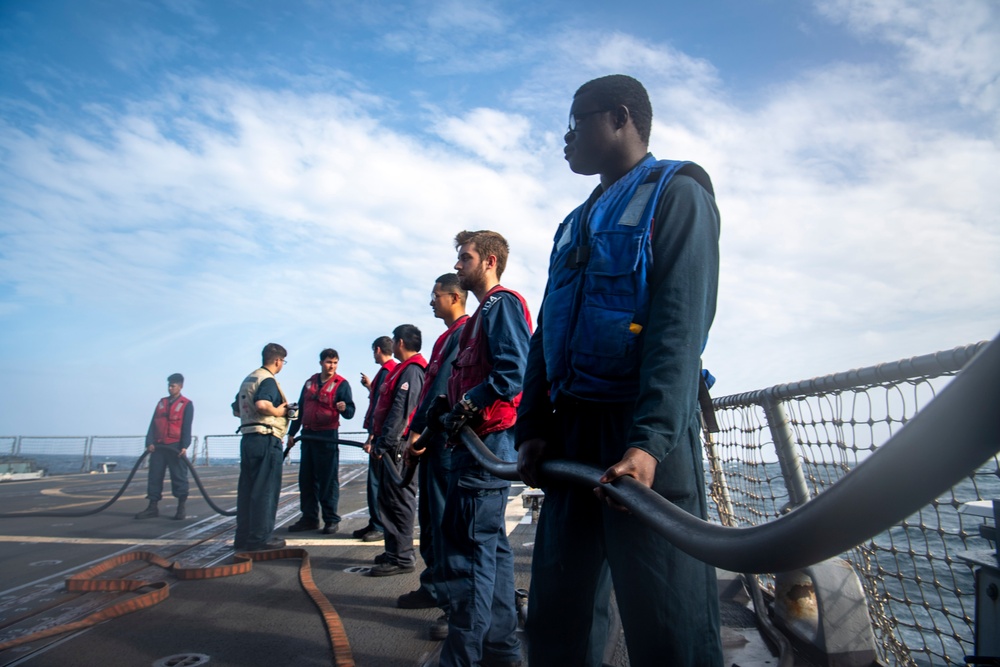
(470, 281)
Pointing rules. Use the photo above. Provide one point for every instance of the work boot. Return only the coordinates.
(418, 599)
(273, 543)
(389, 569)
(302, 526)
(149, 512)
(438, 630)
(179, 514)
(361, 532)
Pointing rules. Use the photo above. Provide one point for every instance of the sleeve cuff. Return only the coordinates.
(654, 444)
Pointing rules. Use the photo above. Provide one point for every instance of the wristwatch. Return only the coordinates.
(467, 404)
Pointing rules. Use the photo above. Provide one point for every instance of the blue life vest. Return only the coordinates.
(597, 303)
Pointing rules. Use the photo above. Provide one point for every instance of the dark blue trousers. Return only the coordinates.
(160, 460)
(374, 516)
(432, 481)
(479, 563)
(668, 601)
(319, 482)
(258, 489)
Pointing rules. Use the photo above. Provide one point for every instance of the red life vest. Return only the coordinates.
(374, 392)
(472, 367)
(168, 420)
(319, 409)
(434, 365)
(388, 390)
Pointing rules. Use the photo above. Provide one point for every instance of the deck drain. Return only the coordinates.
(357, 569)
(182, 660)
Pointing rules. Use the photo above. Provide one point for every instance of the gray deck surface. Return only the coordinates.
(260, 618)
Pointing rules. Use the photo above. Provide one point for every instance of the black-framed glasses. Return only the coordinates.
(575, 118)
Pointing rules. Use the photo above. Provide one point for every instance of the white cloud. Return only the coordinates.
(954, 43)
(854, 229)
(184, 230)
(493, 136)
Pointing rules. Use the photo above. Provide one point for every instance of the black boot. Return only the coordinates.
(181, 502)
(149, 512)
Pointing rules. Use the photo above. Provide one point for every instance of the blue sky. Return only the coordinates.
(183, 182)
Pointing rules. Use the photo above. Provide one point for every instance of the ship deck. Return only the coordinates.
(259, 618)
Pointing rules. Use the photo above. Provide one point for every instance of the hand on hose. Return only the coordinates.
(453, 421)
(530, 454)
(438, 408)
(636, 463)
(411, 454)
(288, 448)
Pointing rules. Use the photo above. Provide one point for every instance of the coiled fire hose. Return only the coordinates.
(157, 592)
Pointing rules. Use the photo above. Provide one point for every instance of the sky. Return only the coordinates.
(182, 182)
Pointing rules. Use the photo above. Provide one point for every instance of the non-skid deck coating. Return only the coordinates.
(261, 618)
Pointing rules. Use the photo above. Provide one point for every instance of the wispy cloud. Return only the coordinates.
(208, 214)
(955, 45)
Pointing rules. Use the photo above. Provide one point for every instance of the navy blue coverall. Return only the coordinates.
(668, 600)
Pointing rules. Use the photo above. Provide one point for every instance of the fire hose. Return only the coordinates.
(128, 480)
(157, 592)
(952, 435)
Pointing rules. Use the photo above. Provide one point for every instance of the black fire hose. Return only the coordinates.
(390, 467)
(128, 480)
(953, 435)
(397, 479)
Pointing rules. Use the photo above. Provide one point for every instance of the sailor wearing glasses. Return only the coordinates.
(612, 380)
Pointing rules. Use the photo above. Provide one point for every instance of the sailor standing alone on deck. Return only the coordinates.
(167, 441)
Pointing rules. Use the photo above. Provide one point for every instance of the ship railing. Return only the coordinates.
(62, 455)
(225, 450)
(804, 484)
(71, 454)
(777, 448)
(55, 454)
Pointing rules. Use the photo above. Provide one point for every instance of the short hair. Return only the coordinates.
(175, 378)
(487, 243)
(409, 335)
(383, 344)
(610, 91)
(271, 352)
(450, 283)
(328, 353)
